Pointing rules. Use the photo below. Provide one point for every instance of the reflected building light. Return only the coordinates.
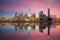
(41, 30)
(49, 38)
(16, 28)
(37, 27)
(7, 24)
(29, 30)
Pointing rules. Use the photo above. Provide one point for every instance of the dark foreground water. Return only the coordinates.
(28, 31)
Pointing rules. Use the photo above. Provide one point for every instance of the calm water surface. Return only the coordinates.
(28, 31)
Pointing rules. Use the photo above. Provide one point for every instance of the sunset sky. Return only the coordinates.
(9, 7)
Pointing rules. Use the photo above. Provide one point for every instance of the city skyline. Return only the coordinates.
(29, 13)
(8, 8)
(30, 19)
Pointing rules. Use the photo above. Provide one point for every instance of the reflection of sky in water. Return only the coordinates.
(9, 28)
(34, 34)
(23, 33)
(55, 33)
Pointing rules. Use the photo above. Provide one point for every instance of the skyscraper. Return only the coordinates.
(48, 12)
(28, 12)
(16, 14)
(48, 21)
(42, 16)
(41, 13)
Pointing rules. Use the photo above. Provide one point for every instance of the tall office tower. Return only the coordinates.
(48, 12)
(28, 12)
(49, 22)
(16, 14)
(40, 13)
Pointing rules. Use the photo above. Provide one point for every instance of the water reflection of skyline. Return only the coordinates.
(36, 27)
(27, 26)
